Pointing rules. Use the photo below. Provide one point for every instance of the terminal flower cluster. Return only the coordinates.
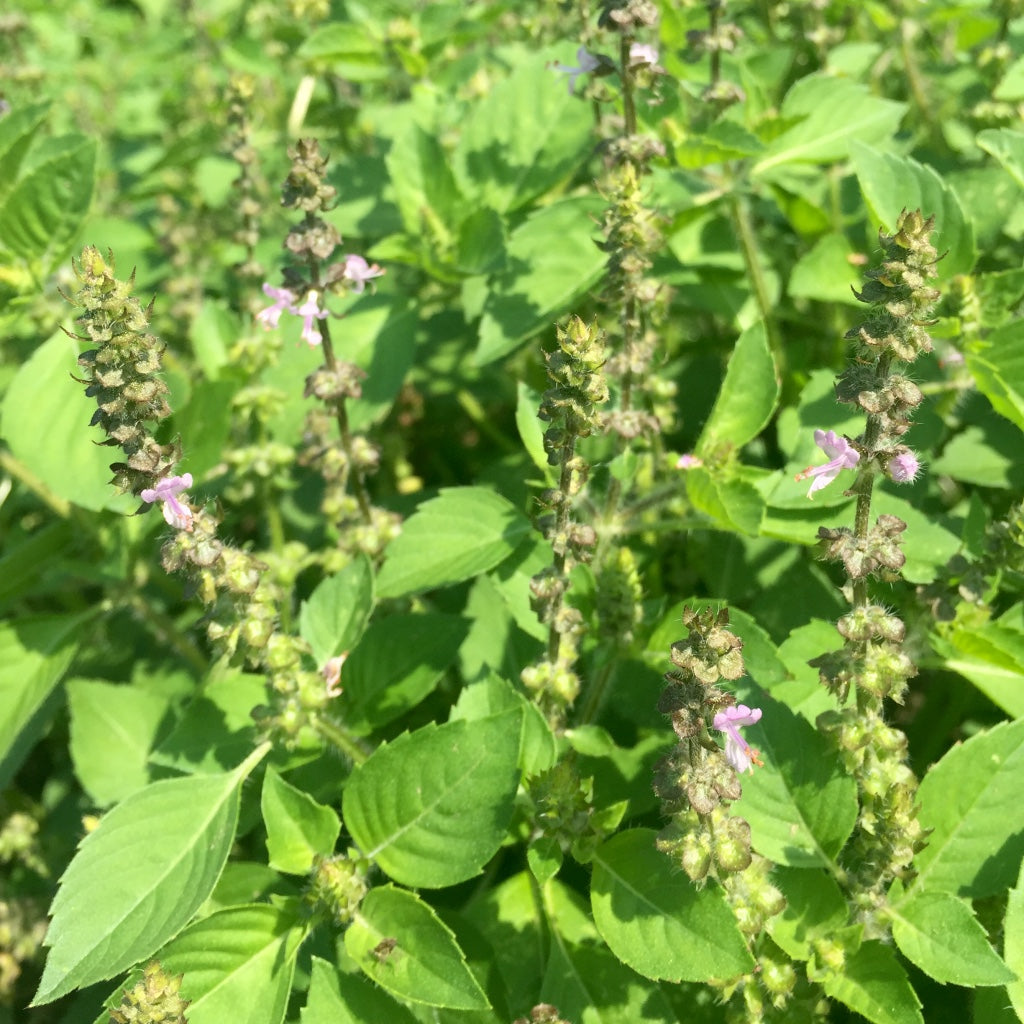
(354, 270)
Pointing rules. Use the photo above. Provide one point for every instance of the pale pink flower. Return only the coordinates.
(842, 455)
(587, 63)
(740, 754)
(689, 461)
(310, 311)
(177, 513)
(358, 271)
(284, 301)
(642, 53)
(332, 674)
(903, 468)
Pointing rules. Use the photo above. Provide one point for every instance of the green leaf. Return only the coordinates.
(334, 616)
(731, 504)
(655, 920)
(970, 802)
(336, 998)
(531, 431)
(425, 965)
(298, 828)
(1013, 942)
(552, 262)
(825, 273)
(493, 695)
(34, 655)
(380, 338)
(801, 806)
(544, 857)
(138, 879)
(990, 655)
(17, 129)
(217, 729)
(431, 807)
(874, 984)
(22, 565)
(985, 454)
(349, 50)
(747, 398)
(463, 532)
(940, 934)
(815, 907)
(42, 215)
(425, 188)
(396, 664)
(522, 138)
(591, 986)
(722, 141)
(237, 964)
(45, 422)
(481, 243)
(832, 113)
(1007, 146)
(998, 371)
(113, 728)
(892, 183)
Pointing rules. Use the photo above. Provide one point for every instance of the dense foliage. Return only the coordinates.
(511, 512)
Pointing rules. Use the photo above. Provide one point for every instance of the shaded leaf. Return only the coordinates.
(42, 214)
(655, 920)
(398, 661)
(552, 261)
(453, 537)
(337, 998)
(747, 397)
(34, 655)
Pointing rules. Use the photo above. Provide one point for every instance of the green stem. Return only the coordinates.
(22, 473)
(749, 249)
(476, 412)
(714, 6)
(338, 736)
(167, 632)
(908, 29)
(595, 694)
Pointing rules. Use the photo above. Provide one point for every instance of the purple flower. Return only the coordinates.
(689, 461)
(841, 453)
(309, 311)
(740, 754)
(642, 53)
(358, 271)
(284, 300)
(903, 468)
(177, 513)
(587, 62)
